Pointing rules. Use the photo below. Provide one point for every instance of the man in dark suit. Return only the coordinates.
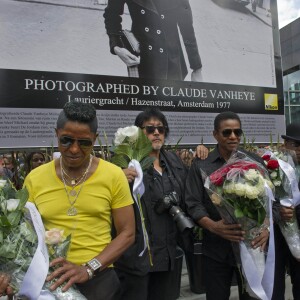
(154, 24)
(219, 263)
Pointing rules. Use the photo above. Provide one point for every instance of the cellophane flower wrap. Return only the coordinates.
(283, 173)
(58, 245)
(131, 150)
(239, 192)
(18, 240)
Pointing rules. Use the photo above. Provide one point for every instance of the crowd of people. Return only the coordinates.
(91, 198)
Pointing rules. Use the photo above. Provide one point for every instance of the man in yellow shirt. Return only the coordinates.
(83, 195)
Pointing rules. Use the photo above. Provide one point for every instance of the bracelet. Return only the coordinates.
(265, 227)
(89, 271)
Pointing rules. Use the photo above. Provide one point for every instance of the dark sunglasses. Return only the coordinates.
(228, 132)
(38, 159)
(151, 129)
(66, 141)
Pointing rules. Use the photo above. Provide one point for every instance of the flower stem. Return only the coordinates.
(144, 229)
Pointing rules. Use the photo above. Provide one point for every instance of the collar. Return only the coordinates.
(215, 155)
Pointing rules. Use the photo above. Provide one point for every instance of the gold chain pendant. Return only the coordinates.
(72, 211)
(73, 193)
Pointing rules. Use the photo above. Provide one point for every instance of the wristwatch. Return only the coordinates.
(93, 266)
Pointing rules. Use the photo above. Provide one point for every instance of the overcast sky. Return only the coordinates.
(288, 11)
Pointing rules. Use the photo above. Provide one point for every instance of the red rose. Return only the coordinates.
(273, 164)
(266, 157)
(216, 179)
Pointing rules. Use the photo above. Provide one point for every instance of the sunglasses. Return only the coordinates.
(151, 129)
(237, 132)
(38, 159)
(66, 141)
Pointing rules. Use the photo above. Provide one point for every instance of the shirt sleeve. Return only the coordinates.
(121, 193)
(195, 193)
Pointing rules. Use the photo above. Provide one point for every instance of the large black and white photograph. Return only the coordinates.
(216, 41)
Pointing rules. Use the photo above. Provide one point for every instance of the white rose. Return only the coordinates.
(251, 175)
(239, 189)
(54, 236)
(251, 192)
(277, 182)
(229, 188)
(273, 175)
(131, 132)
(10, 204)
(2, 183)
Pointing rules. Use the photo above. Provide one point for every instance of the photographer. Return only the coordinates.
(149, 276)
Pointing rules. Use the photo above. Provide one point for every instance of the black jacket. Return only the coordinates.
(154, 24)
(161, 228)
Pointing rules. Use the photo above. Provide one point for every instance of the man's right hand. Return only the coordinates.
(231, 232)
(130, 174)
(128, 58)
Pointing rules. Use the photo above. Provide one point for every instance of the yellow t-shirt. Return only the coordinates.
(105, 190)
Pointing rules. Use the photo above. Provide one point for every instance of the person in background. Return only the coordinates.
(83, 195)
(283, 258)
(219, 263)
(34, 160)
(8, 166)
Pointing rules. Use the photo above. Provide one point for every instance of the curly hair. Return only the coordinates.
(78, 112)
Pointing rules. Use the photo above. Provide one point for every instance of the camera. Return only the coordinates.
(170, 203)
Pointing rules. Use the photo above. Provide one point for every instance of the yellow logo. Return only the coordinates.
(271, 101)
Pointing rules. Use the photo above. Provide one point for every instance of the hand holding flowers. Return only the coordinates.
(281, 167)
(241, 192)
(58, 246)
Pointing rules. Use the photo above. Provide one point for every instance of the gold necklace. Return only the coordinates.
(72, 211)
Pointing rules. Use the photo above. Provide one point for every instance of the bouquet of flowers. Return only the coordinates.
(130, 144)
(131, 149)
(23, 252)
(241, 191)
(18, 240)
(282, 169)
(58, 246)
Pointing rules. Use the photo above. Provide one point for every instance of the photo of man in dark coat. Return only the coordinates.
(155, 25)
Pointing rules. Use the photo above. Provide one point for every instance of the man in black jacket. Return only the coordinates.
(150, 276)
(154, 24)
(219, 261)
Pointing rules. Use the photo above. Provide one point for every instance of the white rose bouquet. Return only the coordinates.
(58, 246)
(18, 240)
(283, 174)
(131, 149)
(131, 143)
(240, 190)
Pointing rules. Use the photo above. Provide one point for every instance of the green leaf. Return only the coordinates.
(14, 217)
(124, 149)
(147, 162)
(23, 196)
(238, 213)
(120, 160)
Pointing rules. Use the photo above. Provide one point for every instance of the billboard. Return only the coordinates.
(195, 59)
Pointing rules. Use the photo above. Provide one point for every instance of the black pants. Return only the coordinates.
(284, 258)
(153, 286)
(217, 280)
(104, 286)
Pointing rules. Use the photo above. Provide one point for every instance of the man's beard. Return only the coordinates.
(157, 146)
